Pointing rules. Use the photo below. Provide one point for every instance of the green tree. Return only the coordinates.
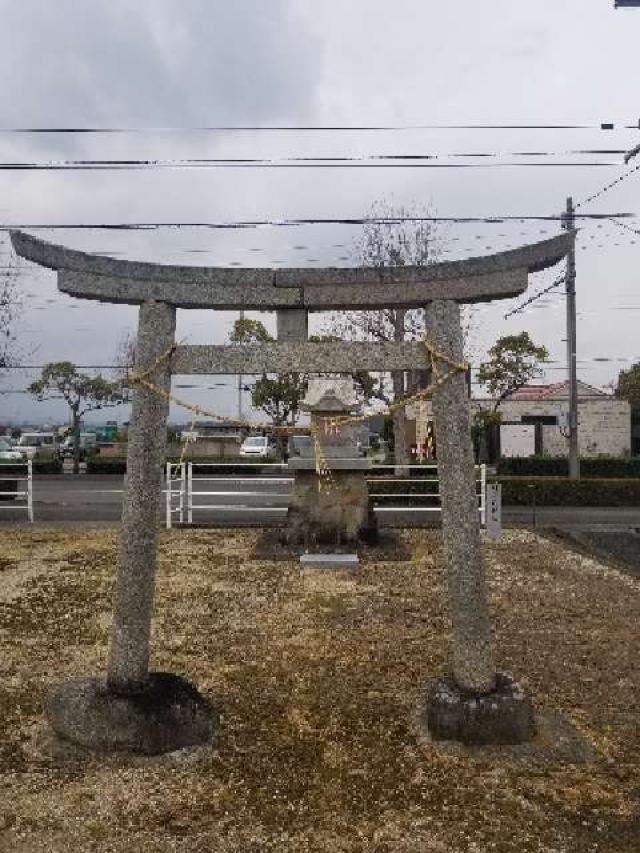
(628, 386)
(280, 396)
(61, 381)
(246, 331)
(514, 361)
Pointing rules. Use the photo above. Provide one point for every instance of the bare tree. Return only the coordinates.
(124, 361)
(398, 236)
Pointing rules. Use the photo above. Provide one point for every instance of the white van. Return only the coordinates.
(259, 447)
(32, 444)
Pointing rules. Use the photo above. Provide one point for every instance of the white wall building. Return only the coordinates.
(604, 421)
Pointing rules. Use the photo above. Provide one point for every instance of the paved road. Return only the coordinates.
(99, 499)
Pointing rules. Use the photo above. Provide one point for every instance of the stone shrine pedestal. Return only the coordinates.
(331, 507)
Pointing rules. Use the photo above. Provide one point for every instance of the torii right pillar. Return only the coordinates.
(474, 704)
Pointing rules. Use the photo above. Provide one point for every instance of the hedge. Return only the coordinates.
(118, 465)
(39, 466)
(520, 491)
(560, 491)
(607, 467)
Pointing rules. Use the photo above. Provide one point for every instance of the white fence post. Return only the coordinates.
(30, 490)
(168, 496)
(183, 487)
(190, 492)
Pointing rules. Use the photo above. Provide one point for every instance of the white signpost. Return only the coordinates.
(494, 511)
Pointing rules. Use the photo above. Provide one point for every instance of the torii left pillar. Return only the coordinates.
(133, 709)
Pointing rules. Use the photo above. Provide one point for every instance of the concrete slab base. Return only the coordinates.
(557, 742)
(329, 561)
(169, 714)
(503, 716)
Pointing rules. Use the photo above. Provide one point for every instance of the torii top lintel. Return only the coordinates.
(499, 276)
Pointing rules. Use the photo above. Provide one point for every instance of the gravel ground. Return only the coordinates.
(318, 677)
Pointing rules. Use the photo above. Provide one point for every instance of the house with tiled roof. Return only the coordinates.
(534, 421)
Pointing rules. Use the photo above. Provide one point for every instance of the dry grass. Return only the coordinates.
(318, 677)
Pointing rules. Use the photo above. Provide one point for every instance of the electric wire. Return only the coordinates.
(625, 226)
(319, 161)
(608, 187)
(295, 222)
(558, 281)
(603, 126)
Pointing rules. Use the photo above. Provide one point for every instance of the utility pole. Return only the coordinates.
(570, 287)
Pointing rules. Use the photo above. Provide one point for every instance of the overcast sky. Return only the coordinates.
(192, 63)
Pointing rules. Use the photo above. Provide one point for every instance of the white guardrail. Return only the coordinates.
(22, 495)
(188, 488)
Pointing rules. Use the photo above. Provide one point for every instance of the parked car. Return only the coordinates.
(31, 444)
(88, 444)
(259, 447)
(8, 452)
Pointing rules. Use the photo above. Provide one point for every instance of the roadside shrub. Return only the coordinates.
(560, 491)
(118, 465)
(39, 466)
(518, 491)
(607, 467)
(106, 465)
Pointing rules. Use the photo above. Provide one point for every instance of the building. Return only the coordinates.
(534, 421)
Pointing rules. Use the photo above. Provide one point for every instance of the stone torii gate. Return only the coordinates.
(133, 709)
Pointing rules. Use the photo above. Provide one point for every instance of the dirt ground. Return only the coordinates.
(319, 677)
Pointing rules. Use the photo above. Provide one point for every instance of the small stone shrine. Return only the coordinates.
(331, 496)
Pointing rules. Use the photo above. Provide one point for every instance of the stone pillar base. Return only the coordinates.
(168, 714)
(503, 716)
(299, 529)
(334, 512)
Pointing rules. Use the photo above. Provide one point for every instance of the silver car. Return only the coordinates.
(8, 452)
(259, 447)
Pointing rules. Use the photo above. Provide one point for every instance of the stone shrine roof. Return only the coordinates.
(331, 395)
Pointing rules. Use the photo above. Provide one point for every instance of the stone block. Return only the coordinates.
(504, 715)
(167, 714)
(329, 561)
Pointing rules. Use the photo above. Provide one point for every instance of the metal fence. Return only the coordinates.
(17, 488)
(262, 493)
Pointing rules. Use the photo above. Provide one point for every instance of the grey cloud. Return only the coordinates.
(155, 62)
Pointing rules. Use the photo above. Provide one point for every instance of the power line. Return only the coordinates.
(398, 162)
(558, 281)
(286, 223)
(626, 227)
(606, 126)
(608, 187)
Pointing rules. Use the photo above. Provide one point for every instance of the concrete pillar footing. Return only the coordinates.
(504, 715)
(167, 714)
